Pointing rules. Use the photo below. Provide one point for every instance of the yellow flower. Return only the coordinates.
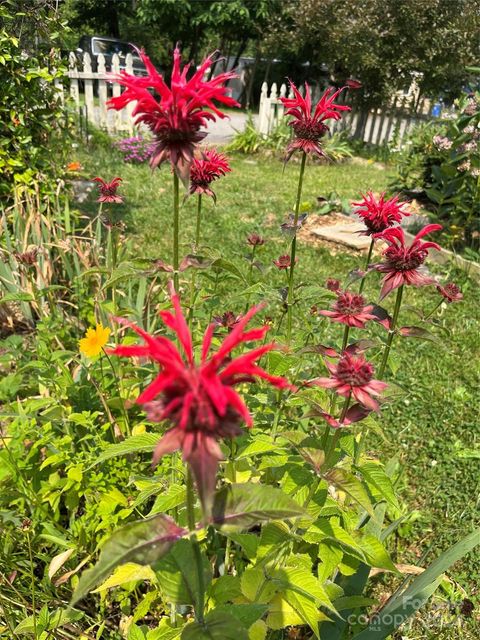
(94, 341)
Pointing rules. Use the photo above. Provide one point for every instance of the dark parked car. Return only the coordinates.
(95, 45)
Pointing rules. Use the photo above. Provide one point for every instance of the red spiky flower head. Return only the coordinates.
(350, 309)
(309, 128)
(402, 263)
(177, 112)
(204, 170)
(108, 190)
(379, 214)
(450, 292)
(199, 398)
(352, 375)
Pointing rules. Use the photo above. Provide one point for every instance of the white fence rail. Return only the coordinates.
(376, 126)
(89, 91)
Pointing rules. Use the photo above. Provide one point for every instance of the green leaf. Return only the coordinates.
(226, 265)
(375, 475)
(405, 603)
(225, 589)
(134, 633)
(347, 482)
(247, 614)
(244, 505)
(135, 444)
(248, 541)
(129, 572)
(177, 575)
(330, 530)
(142, 542)
(376, 553)
(217, 626)
(258, 446)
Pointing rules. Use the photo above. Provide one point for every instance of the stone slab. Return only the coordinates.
(344, 234)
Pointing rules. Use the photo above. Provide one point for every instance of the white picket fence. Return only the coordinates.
(90, 103)
(89, 91)
(376, 126)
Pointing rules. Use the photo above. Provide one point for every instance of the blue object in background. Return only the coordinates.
(437, 110)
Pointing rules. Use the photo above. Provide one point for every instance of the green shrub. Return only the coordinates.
(441, 166)
(32, 121)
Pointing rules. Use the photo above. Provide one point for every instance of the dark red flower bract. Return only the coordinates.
(108, 190)
(379, 214)
(353, 376)
(180, 111)
(199, 399)
(402, 262)
(450, 292)
(350, 309)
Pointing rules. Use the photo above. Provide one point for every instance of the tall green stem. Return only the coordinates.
(32, 578)
(176, 206)
(367, 262)
(294, 248)
(199, 220)
(200, 604)
(391, 333)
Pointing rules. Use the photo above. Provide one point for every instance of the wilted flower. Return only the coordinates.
(199, 398)
(353, 376)
(402, 263)
(475, 172)
(309, 128)
(176, 116)
(284, 262)
(350, 309)
(332, 284)
(204, 170)
(450, 292)
(228, 320)
(28, 258)
(94, 341)
(290, 227)
(442, 143)
(255, 240)
(379, 214)
(108, 190)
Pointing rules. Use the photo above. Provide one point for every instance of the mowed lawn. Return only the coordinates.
(433, 429)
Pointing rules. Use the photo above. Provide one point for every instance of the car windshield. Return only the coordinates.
(109, 47)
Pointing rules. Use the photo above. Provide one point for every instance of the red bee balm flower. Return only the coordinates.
(284, 262)
(450, 292)
(199, 398)
(380, 214)
(353, 375)
(310, 128)
(402, 263)
(350, 309)
(181, 110)
(108, 190)
(211, 166)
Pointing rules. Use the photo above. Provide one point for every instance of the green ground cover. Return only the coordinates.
(433, 429)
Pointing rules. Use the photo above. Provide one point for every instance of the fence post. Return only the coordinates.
(73, 75)
(116, 92)
(102, 90)
(88, 83)
(272, 111)
(130, 106)
(262, 111)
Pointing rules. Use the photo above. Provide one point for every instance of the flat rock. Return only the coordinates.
(345, 234)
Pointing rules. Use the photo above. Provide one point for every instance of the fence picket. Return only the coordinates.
(102, 91)
(89, 102)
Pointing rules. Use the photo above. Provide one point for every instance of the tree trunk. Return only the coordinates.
(113, 25)
(249, 88)
(212, 68)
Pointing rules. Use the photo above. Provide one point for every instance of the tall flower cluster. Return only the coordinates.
(402, 262)
(199, 399)
(309, 128)
(378, 214)
(175, 114)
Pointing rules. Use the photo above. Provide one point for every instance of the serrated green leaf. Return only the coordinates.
(129, 572)
(244, 505)
(142, 542)
(177, 575)
(217, 626)
(375, 476)
(347, 482)
(134, 444)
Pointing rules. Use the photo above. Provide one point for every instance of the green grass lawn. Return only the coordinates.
(434, 428)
